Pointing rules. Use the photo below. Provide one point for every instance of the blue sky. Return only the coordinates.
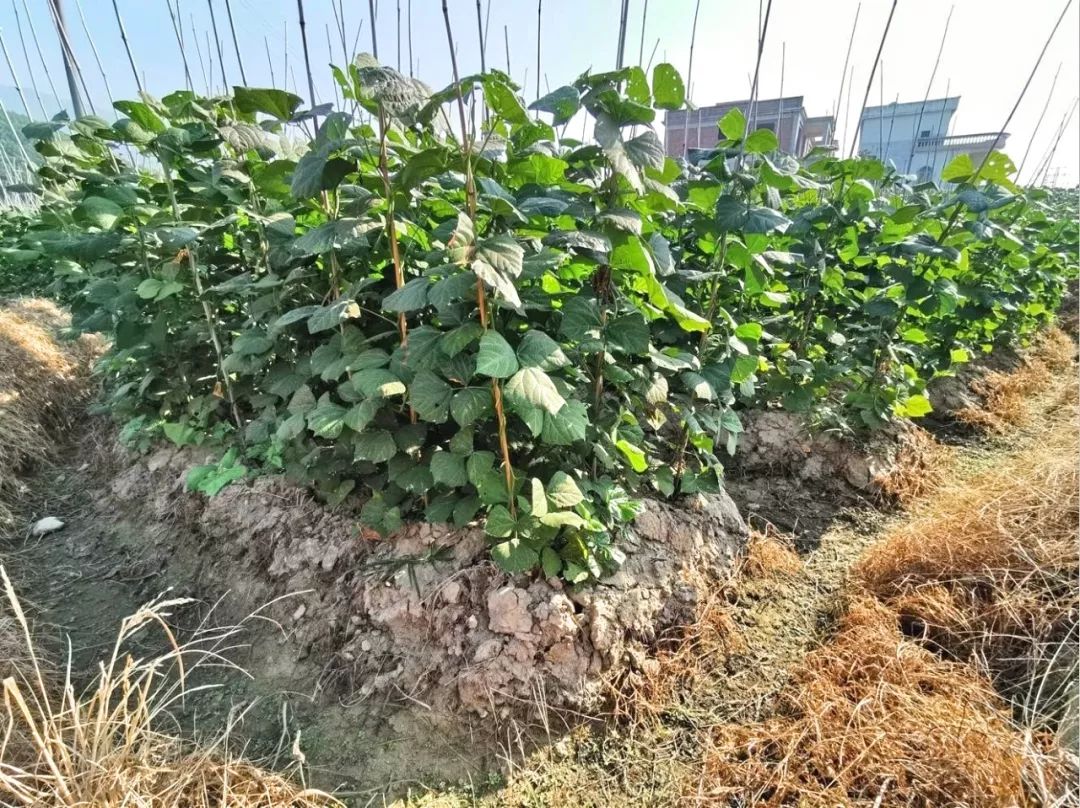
(990, 48)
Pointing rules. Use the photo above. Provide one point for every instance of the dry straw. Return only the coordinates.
(103, 748)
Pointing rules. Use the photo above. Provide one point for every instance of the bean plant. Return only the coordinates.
(443, 305)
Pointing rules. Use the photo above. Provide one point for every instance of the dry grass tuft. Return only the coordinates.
(103, 748)
(43, 383)
(987, 570)
(1006, 395)
(872, 719)
(920, 467)
(771, 555)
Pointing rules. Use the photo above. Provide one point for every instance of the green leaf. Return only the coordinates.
(762, 141)
(609, 135)
(252, 343)
(538, 350)
(327, 419)
(959, 168)
(142, 114)
(377, 383)
(277, 103)
(562, 519)
(502, 253)
(562, 103)
(500, 523)
(326, 317)
(538, 499)
(535, 387)
(504, 101)
(563, 491)
(149, 288)
(735, 215)
(634, 454)
(628, 334)
(570, 425)
(744, 368)
(914, 407)
(430, 397)
(733, 124)
(496, 358)
(471, 404)
(669, 92)
(376, 447)
(646, 150)
(514, 556)
(410, 297)
(99, 211)
(419, 167)
(360, 415)
(550, 562)
(448, 469)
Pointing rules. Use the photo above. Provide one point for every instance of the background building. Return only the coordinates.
(785, 117)
(915, 138)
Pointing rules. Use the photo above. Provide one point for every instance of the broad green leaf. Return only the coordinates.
(914, 407)
(538, 499)
(669, 91)
(327, 419)
(958, 169)
(514, 556)
(503, 101)
(609, 135)
(537, 349)
(568, 426)
(633, 454)
(252, 343)
(410, 297)
(733, 124)
(471, 404)
(326, 317)
(376, 447)
(534, 386)
(496, 358)
(99, 211)
(762, 141)
(276, 103)
(430, 397)
(448, 469)
(563, 491)
(562, 103)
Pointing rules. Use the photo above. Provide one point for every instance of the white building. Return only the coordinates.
(915, 138)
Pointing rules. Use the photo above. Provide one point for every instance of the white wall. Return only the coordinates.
(893, 129)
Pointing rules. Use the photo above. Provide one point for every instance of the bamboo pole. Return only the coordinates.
(938, 137)
(178, 33)
(94, 50)
(15, 77)
(409, 26)
(236, 42)
(929, 86)
(198, 53)
(481, 295)
(620, 49)
(641, 43)
(506, 43)
(71, 68)
(844, 72)
(16, 133)
(127, 47)
(330, 55)
(689, 79)
(210, 60)
(1057, 140)
(873, 71)
(1038, 123)
(217, 44)
(26, 60)
(374, 37)
(269, 61)
(763, 30)
(480, 37)
(307, 61)
(539, 18)
(37, 47)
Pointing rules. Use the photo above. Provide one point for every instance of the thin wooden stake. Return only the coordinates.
(757, 73)
(217, 44)
(71, 68)
(374, 37)
(926, 96)
(269, 61)
(94, 50)
(15, 77)
(506, 43)
(17, 135)
(1038, 123)
(870, 81)
(179, 34)
(689, 80)
(620, 50)
(641, 44)
(783, 65)
(398, 36)
(847, 59)
(307, 61)
(127, 47)
(480, 37)
(1057, 141)
(236, 42)
(37, 47)
(539, 19)
(198, 52)
(26, 60)
(409, 25)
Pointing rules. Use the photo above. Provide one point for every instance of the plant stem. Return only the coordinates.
(481, 295)
(207, 313)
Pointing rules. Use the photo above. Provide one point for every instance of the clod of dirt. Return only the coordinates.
(45, 526)
(426, 613)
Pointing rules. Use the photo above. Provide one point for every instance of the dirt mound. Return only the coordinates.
(425, 613)
(43, 385)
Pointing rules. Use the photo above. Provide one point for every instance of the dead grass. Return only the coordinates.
(986, 570)
(1006, 394)
(43, 383)
(920, 467)
(872, 718)
(770, 555)
(104, 748)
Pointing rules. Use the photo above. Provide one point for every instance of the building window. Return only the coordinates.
(770, 126)
(924, 133)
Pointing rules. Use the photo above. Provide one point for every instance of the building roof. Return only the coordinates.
(912, 106)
